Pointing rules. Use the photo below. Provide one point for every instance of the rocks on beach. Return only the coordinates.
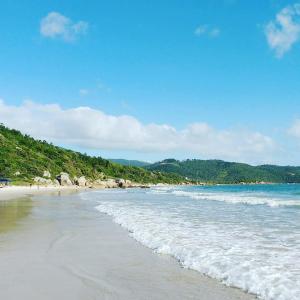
(81, 181)
(64, 179)
(47, 174)
(42, 180)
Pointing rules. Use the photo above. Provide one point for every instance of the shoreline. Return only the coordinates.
(15, 192)
(80, 253)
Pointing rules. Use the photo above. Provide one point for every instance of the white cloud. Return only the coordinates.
(93, 129)
(207, 30)
(294, 130)
(284, 32)
(56, 25)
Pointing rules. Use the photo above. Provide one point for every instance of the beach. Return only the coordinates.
(58, 246)
(13, 192)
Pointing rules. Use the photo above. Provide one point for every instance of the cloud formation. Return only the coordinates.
(207, 30)
(93, 129)
(284, 32)
(294, 130)
(56, 25)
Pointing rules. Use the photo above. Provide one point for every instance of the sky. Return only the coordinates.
(150, 80)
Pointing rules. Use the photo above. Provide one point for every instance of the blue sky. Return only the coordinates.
(228, 66)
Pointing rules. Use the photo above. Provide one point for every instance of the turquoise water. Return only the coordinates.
(247, 236)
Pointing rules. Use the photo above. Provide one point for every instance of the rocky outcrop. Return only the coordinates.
(55, 182)
(123, 183)
(98, 183)
(41, 180)
(110, 183)
(64, 179)
(120, 182)
(81, 181)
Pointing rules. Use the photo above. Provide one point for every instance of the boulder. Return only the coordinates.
(47, 174)
(120, 182)
(64, 179)
(99, 184)
(111, 183)
(128, 184)
(81, 181)
(41, 180)
(55, 182)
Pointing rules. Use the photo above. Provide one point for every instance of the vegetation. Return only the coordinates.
(22, 158)
(126, 162)
(218, 171)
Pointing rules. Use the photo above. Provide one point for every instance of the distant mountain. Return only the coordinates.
(126, 162)
(218, 171)
(22, 158)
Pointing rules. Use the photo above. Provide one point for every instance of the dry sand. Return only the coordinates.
(59, 247)
(13, 192)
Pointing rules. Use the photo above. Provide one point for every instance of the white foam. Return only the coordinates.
(257, 260)
(235, 198)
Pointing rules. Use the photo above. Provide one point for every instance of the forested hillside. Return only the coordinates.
(22, 158)
(128, 162)
(218, 171)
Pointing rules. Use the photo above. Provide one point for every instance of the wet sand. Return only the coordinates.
(59, 247)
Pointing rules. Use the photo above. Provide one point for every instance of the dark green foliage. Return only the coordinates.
(21, 153)
(218, 171)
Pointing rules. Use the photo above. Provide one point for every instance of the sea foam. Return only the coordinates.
(258, 255)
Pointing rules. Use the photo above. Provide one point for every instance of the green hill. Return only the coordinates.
(126, 162)
(218, 171)
(22, 158)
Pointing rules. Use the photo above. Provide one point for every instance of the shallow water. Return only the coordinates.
(12, 212)
(245, 236)
(65, 249)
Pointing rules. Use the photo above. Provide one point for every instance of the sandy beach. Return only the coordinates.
(13, 192)
(59, 247)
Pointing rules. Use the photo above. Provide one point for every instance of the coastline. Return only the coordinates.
(80, 253)
(14, 192)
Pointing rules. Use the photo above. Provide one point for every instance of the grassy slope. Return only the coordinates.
(30, 157)
(126, 162)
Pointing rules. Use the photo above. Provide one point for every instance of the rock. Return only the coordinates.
(99, 184)
(124, 183)
(55, 182)
(144, 186)
(111, 183)
(64, 179)
(47, 174)
(120, 182)
(41, 180)
(128, 184)
(81, 181)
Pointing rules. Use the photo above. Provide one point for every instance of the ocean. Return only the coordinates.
(247, 236)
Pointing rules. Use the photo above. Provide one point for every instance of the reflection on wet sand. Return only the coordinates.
(12, 211)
